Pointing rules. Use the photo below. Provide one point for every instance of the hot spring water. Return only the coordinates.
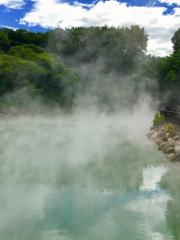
(83, 177)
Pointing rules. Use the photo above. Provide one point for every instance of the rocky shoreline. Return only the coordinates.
(167, 139)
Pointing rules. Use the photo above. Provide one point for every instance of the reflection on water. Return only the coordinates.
(60, 183)
(171, 183)
(39, 212)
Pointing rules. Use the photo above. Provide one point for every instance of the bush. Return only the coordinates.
(158, 119)
(169, 127)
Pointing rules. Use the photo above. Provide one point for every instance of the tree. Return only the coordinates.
(22, 67)
(176, 40)
(4, 41)
(4, 38)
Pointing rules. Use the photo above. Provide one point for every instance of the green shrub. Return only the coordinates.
(169, 127)
(158, 119)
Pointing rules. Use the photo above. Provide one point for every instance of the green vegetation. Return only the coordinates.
(23, 67)
(169, 127)
(158, 119)
(107, 63)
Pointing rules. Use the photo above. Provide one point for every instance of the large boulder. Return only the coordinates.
(169, 150)
(177, 150)
(170, 143)
(165, 145)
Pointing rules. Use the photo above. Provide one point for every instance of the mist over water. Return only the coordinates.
(34, 147)
(84, 175)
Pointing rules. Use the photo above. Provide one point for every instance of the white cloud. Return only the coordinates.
(14, 4)
(53, 14)
(4, 26)
(170, 2)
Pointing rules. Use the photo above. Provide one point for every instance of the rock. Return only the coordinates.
(172, 135)
(177, 150)
(150, 133)
(154, 135)
(161, 134)
(170, 143)
(176, 137)
(167, 135)
(177, 143)
(165, 139)
(163, 129)
(158, 140)
(169, 150)
(175, 158)
(152, 128)
(162, 145)
(171, 155)
(167, 145)
(170, 139)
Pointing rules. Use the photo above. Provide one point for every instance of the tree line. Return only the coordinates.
(104, 61)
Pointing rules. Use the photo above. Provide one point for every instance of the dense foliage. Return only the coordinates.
(30, 66)
(158, 119)
(107, 63)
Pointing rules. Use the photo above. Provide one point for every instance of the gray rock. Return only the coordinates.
(175, 158)
(150, 133)
(161, 134)
(162, 145)
(165, 145)
(163, 129)
(177, 143)
(176, 138)
(159, 142)
(154, 135)
(170, 143)
(177, 150)
(152, 128)
(165, 139)
(169, 150)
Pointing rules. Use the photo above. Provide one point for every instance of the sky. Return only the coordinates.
(160, 18)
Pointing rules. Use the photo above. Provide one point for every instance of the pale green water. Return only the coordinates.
(91, 180)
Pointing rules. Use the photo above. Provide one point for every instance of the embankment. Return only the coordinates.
(167, 138)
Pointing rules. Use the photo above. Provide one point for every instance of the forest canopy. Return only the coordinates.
(102, 61)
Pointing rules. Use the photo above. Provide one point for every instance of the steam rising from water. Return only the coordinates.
(40, 148)
(79, 176)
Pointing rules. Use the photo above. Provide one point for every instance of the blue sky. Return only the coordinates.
(160, 18)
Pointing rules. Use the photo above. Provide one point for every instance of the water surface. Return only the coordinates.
(84, 178)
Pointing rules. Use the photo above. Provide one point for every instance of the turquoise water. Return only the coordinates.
(62, 179)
